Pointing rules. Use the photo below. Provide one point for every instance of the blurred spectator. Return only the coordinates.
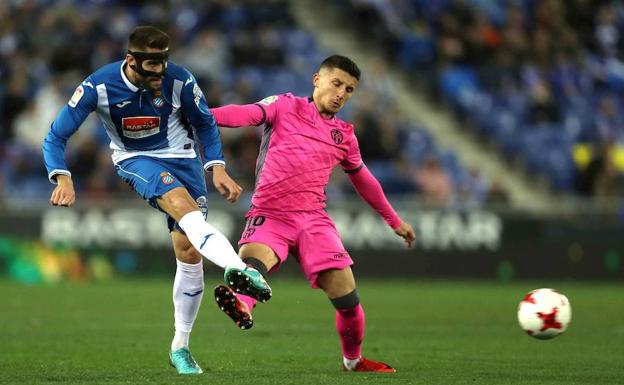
(607, 33)
(543, 108)
(601, 178)
(260, 46)
(609, 121)
(378, 88)
(434, 183)
(580, 14)
(474, 189)
(497, 195)
(374, 144)
(417, 49)
(14, 101)
(207, 56)
(608, 182)
(33, 123)
(569, 82)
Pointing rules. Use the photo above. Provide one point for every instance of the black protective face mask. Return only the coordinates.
(140, 57)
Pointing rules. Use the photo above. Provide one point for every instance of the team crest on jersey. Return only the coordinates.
(336, 136)
(137, 127)
(268, 100)
(158, 100)
(73, 102)
(166, 177)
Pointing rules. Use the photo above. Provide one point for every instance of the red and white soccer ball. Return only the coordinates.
(544, 313)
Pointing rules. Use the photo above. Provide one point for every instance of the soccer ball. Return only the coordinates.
(544, 313)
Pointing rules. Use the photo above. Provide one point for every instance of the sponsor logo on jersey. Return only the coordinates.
(197, 93)
(137, 127)
(123, 104)
(268, 100)
(189, 80)
(336, 136)
(73, 102)
(166, 177)
(338, 256)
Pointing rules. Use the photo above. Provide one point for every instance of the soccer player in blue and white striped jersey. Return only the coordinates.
(152, 109)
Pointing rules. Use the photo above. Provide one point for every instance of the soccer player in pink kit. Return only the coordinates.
(302, 143)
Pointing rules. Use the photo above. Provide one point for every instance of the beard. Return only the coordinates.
(150, 83)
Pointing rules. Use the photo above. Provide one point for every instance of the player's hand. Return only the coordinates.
(225, 185)
(63, 194)
(406, 232)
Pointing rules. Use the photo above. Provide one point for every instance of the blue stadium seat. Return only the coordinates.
(419, 145)
(456, 80)
(560, 169)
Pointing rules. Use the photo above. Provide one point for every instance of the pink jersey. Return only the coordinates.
(299, 150)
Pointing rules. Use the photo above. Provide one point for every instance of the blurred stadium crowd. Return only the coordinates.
(240, 51)
(541, 79)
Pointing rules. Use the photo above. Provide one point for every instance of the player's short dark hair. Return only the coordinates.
(146, 36)
(343, 63)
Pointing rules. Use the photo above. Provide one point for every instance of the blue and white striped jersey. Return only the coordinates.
(137, 121)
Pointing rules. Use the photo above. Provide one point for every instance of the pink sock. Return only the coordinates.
(350, 326)
(248, 300)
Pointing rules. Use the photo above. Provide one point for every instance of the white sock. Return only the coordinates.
(188, 290)
(350, 364)
(210, 242)
(180, 340)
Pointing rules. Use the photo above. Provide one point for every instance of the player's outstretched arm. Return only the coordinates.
(234, 115)
(369, 188)
(225, 185)
(63, 194)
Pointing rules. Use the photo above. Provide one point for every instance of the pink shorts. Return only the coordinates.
(310, 236)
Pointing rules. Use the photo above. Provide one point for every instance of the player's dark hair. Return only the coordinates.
(146, 36)
(343, 63)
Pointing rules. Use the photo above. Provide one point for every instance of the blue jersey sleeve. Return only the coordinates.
(196, 111)
(73, 114)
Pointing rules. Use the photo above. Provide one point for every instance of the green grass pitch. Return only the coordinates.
(433, 332)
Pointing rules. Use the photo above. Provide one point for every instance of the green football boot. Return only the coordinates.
(183, 361)
(248, 281)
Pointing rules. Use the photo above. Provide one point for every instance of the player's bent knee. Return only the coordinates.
(177, 203)
(336, 282)
(348, 301)
(259, 252)
(189, 255)
(181, 206)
